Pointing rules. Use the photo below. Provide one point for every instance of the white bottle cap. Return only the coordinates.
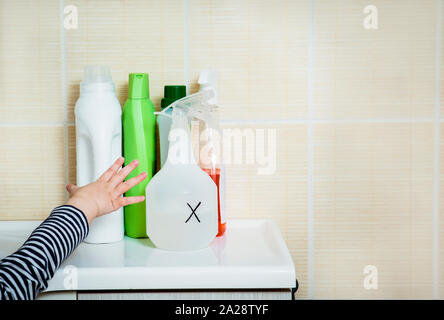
(96, 73)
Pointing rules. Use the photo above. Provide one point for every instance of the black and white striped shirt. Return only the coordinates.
(26, 272)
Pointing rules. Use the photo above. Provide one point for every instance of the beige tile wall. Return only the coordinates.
(373, 205)
(373, 182)
(383, 73)
(260, 49)
(128, 36)
(441, 171)
(32, 174)
(441, 215)
(281, 196)
(355, 112)
(30, 51)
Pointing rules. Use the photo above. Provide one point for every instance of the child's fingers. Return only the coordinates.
(125, 186)
(123, 173)
(125, 201)
(71, 188)
(108, 174)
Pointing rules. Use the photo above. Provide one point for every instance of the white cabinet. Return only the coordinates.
(251, 256)
(283, 294)
(188, 295)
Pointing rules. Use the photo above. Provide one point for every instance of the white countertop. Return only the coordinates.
(251, 254)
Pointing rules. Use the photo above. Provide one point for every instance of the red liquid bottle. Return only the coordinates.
(215, 175)
(211, 162)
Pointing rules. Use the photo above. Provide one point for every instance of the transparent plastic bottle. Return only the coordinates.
(181, 199)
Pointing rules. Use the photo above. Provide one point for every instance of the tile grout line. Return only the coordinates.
(64, 93)
(253, 122)
(436, 171)
(310, 155)
(186, 44)
(36, 124)
(332, 121)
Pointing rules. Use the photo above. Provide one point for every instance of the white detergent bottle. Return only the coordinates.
(99, 143)
(181, 199)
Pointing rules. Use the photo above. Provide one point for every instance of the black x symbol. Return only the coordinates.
(193, 212)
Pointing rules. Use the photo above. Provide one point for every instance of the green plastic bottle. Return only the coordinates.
(139, 142)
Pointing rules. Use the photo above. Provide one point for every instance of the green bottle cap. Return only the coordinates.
(138, 86)
(171, 94)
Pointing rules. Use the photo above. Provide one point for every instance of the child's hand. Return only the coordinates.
(104, 195)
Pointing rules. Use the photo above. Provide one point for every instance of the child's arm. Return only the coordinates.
(26, 272)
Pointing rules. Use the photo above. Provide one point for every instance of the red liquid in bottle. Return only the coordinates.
(215, 175)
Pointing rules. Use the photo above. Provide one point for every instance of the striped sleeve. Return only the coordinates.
(26, 272)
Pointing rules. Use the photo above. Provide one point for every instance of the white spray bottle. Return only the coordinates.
(181, 199)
